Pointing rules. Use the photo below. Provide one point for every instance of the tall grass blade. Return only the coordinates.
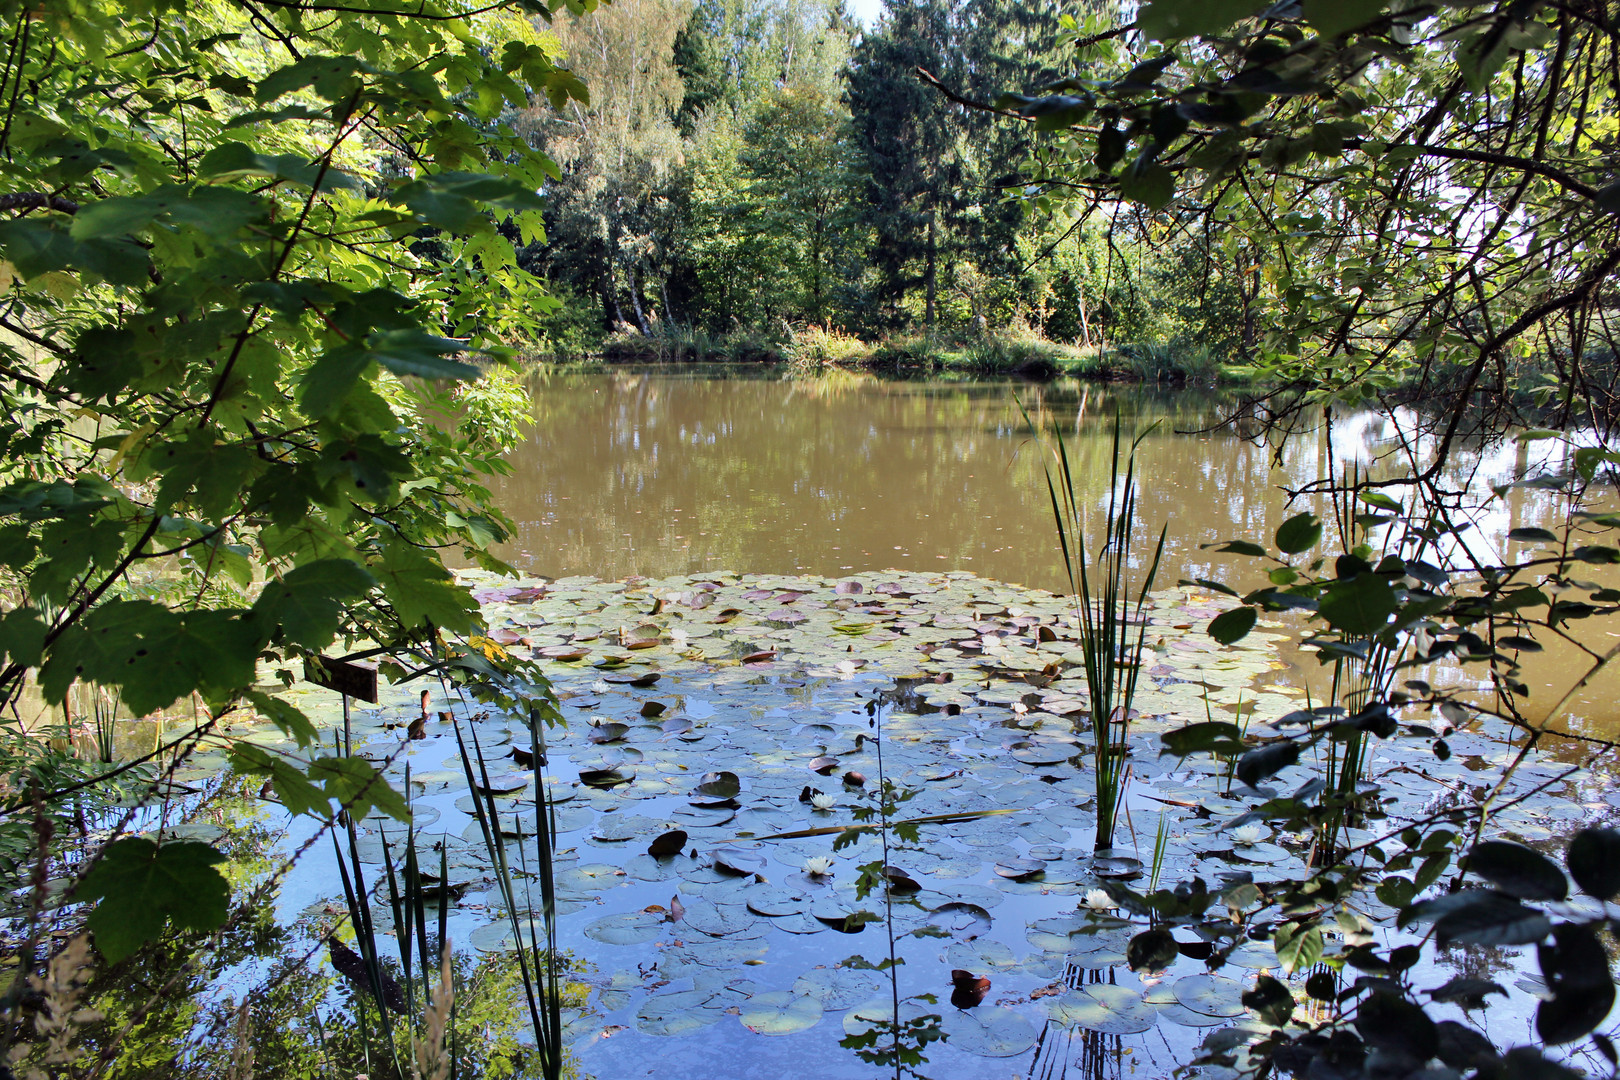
(1104, 608)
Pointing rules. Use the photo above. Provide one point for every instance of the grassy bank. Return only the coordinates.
(1004, 352)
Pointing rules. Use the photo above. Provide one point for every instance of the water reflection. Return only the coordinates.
(657, 472)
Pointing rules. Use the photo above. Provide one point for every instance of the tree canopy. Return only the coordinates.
(253, 259)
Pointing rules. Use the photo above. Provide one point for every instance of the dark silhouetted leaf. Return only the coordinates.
(1594, 862)
(1518, 870)
(1467, 992)
(1265, 761)
(1233, 625)
(1576, 970)
(1484, 917)
(1271, 999)
(1299, 533)
(1215, 737)
(1151, 950)
(1392, 1023)
(1461, 1047)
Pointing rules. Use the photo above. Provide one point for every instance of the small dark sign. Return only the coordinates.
(358, 680)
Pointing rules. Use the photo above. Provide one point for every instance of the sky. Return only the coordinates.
(866, 11)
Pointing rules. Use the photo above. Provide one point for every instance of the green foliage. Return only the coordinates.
(1281, 150)
(143, 886)
(243, 255)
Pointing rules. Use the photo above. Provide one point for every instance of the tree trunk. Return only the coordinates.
(635, 303)
(1080, 302)
(933, 249)
(613, 294)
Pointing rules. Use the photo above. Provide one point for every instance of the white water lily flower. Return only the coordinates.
(1248, 835)
(601, 686)
(818, 865)
(1098, 900)
(823, 802)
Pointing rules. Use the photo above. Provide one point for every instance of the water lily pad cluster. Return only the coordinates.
(723, 734)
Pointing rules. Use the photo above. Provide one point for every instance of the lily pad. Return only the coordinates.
(837, 987)
(1212, 995)
(780, 1012)
(679, 1013)
(995, 1033)
(1103, 1007)
(632, 928)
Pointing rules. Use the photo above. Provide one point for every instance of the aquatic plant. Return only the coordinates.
(909, 1032)
(1103, 605)
(540, 964)
(1377, 617)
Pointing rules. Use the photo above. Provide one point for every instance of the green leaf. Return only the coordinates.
(1333, 17)
(1163, 20)
(36, 247)
(412, 352)
(142, 886)
(1380, 500)
(22, 636)
(1298, 946)
(289, 782)
(1360, 605)
(307, 603)
(1233, 624)
(69, 548)
(216, 472)
(459, 202)
(218, 649)
(123, 643)
(1148, 183)
(236, 161)
(325, 383)
(1299, 533)
(421, 589)
(355, 784)
(1531, 535)
(285, 716)
(215, 211)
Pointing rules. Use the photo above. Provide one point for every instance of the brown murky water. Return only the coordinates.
(668, 472)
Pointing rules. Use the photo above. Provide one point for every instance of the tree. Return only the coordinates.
(732, 54)
(910, 138)
(611, 212)
(248, 252)
(1425, 195)
(798, 159)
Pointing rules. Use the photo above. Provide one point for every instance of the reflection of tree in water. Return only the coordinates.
(1476, 961)
(1065, 1053)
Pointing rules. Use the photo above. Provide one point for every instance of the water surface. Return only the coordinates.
(670, 471)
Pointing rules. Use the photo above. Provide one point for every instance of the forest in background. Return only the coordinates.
(764, 179)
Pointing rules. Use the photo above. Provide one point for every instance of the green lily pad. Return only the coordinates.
(1212, 995)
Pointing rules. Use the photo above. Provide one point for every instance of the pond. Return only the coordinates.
(662, 471)
(745, 589)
